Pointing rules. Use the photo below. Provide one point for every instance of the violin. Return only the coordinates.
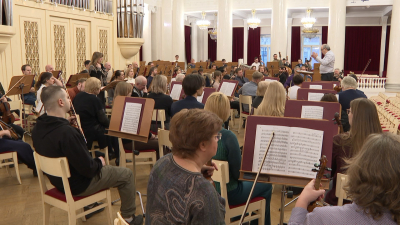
(5, 126)
(320, 173)
(338, 122)
(7, 116)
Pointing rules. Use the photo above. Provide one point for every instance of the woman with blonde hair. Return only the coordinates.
(130, 75)
(373, 185)
(261, 89)
(229, 150)
(162, 101)
(123, 89)
(273, 103)
(364, 120)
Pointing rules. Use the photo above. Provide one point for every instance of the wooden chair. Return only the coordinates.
(29, 117)
(340, 193)
(146, 157)
(94, 149)
(59, 167)
(108, 107)
(159, 116)
(17, 105)
(245, 100)
(4, 157)
(256, 206)
(163, 140)
(119, 220)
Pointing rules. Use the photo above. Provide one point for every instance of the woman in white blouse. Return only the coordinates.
(45, 79)
(130, 75)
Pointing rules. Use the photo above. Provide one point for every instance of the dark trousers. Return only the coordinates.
(327, 76)
(30, 99)
(103, 140)
(24, 151)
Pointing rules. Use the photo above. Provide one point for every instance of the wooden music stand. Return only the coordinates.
(111, 85)
(181, 65)
(294, 64)
(56, 73)
(303, 93)
(234, 63)
(228, 81)
(317, 73)
(249, 74)
(20, 85)
(201, 64)
(75, 77)
(209, 70)
(325, 84)
(190, 70)
(293, 108)
(207, 92)
(246, 171)
(142, 69)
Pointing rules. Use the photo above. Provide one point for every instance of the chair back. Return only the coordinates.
(163, 140)
(16, 104)
(222, 176)
(245, 100)
(159, 115)
(119, 220)
(340, 193)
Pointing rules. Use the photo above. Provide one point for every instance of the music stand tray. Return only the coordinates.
(75, 77)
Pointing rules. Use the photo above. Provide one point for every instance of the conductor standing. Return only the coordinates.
(327, 63)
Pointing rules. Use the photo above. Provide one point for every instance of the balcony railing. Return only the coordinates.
(370, 82)
(6, 16)
(130, 15)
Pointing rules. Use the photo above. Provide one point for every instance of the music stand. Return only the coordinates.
(111, 85)
(75, 77)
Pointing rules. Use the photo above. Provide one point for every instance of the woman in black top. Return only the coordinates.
(96, 69)
(162, 101)
(93, 118)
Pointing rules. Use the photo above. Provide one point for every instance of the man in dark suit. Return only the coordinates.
(140, 90)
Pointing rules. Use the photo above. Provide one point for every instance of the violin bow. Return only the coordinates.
(255, 180)
(369, 61)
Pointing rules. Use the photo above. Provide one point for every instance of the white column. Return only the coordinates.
(146, 51)
(224, 32)
(178, 31)
(383, 44)
(289, 40)
(245, 40)
(205, 44)
(156, 30)
(166, 36)
(278, 27)
(194, 41)
(393, 81)
(336, 30)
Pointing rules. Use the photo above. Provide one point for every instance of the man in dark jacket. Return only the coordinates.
(54, 137)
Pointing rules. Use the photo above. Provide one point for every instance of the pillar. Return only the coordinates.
(336, 30)
(279, 27)
(289, 41)
(393, 77)
(383, 44)
(166, 35)
(224, 30)
(156, 32)
(178, 31)
(245, 40)
(194, 41)
(205, 44)
(146, 48)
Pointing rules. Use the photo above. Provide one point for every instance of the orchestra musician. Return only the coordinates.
(217, 77)
(87, 65)
(178, 177)
(277, 60)
(152, 73)
(273, 103)
(337, 75)
(140, 89)
(54, 137)
(119, 75)
(286, 63)
(130, 76)
(80, 86)
(136, 69)
(327, 63)
(372, 184)
(45, 79)
(292, 91)
(261, 89)
(256, 63)
(29, 98)
(262, 69)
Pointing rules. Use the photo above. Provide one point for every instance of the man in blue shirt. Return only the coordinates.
(193, 86)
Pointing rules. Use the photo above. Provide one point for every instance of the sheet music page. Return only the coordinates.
(315, 86)
(305, 146)
(312, 112)
(130, 121)
(277, 154)
(315, 96)
(334, 85)
(200, 98)
(176, 91)
(227, 88)
(337, 96)
(173, 79)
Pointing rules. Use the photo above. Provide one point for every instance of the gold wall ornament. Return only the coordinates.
(80, 48)
(60, 56)
(31, 34)
(103, 44)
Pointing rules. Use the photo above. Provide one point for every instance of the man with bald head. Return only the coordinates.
(54, 137)
(109, 71)
(49, 68)
(140, 90)
(135, 68)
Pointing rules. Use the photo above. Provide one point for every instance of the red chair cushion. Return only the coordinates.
(246, 113)
(55, 193)
(130, 151)
(17, 119)
(108, 107)
(256, 199)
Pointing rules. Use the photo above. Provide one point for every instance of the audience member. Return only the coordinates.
(192, 86)
(274, 101)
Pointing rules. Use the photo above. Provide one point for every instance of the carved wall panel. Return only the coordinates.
(80, 48)
(60, 55)
(103, 44)
(31, 33)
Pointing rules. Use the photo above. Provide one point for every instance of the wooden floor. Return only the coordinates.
(21, 204)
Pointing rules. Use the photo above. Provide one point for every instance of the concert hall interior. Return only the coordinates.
(233, 112)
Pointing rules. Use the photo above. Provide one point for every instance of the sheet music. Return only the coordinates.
(227, 88)
(334, 85)
(315, 96)
(293, 150)
(312, 112)
(337, 96)
(130, 121)
(176, 91)
(200, 98)
(315, 86)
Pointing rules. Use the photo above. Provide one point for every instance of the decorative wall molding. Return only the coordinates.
(60, 56)
(31, 34)
(6, 33)
(103, 44)
(80, 48)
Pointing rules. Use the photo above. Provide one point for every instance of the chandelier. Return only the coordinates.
(213, 32)
(310, 33)
(308, 21)
(253, 22)
(203, 24)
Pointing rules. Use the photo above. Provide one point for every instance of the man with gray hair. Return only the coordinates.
(140, 90)
(180, 77)
(250, 88)
(348, 94)
(49, 68)
(336, 75)
(109, 71)
(327, 63)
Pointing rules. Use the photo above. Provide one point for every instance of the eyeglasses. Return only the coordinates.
(348, 111)
(218, 136)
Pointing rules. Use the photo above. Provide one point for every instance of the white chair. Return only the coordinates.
(159, 116)
(146, 157)
(340, 193)
(256, 206)
(119, 220)
(5, 156)
(59, 167)
(244, 100)
(17, 105)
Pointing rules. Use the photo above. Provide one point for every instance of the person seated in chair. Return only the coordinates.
(54, 137)
(29, 98)
(193, 86)
(140, 89)
(250, 88)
